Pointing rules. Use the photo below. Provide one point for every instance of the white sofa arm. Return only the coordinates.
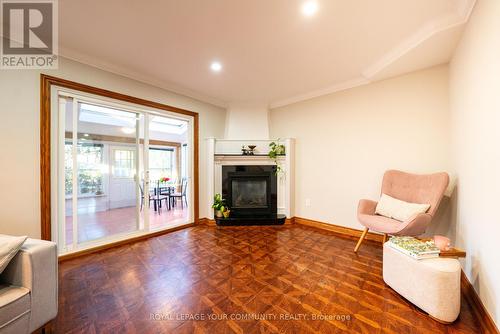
(35, 268)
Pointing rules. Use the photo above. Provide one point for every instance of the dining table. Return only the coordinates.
(160, 190)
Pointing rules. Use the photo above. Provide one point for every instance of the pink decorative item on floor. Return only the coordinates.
(442, 242)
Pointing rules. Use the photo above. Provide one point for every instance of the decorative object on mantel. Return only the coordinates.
(251, 149)
(220, 206)
(275, 150)
(248, 150)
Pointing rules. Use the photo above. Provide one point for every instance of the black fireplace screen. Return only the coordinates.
(249, 193)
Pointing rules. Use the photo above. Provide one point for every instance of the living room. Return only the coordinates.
(246, 166)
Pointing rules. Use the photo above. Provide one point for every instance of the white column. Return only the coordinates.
(290, 176)
(210, 144)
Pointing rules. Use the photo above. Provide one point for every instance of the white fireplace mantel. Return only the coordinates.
(227, 152)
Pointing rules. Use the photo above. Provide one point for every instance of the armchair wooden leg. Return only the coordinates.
(363, 235)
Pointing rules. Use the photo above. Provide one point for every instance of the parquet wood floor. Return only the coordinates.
(283, 275)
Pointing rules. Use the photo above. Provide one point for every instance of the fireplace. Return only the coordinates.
(250, 205)
(250, 191)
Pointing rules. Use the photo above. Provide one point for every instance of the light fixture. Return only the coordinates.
(128, 130)
(309, 8)
(216, 66)
(85, 134)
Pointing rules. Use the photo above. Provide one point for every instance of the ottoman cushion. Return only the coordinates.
(433, 285)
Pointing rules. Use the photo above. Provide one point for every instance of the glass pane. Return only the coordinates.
(168, 189)
(161, 163)
(249, 194)
(90, 169)
(107, 191)
(124, 163)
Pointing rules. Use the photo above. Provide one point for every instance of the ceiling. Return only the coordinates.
(270, 52)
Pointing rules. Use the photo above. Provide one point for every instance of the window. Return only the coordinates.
(90, 176)
(123, 163)
(161, 162)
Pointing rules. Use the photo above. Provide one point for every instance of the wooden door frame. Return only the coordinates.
(46, 83)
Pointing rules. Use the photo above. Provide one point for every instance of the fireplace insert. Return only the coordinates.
(250, 191)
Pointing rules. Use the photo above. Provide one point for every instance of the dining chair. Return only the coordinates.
(151, 198)
(182, 195)
(165, 191)
(154, 196)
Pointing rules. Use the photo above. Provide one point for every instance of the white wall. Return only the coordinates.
(475, 115)
(20, 133)
(247, 122)
(346, 140)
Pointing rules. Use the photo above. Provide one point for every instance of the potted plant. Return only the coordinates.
(275, 150)
(219, 205)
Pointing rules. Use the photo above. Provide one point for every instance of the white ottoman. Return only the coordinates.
(433, 285)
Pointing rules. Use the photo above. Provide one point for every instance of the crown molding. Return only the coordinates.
(465, 8)
(461, 15)
(124, 72)
(320, 92)
(427, 31)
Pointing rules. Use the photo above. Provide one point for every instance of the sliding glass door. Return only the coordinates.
(100, 167)
(120, 172)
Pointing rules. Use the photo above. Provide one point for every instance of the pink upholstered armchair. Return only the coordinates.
(414, 188)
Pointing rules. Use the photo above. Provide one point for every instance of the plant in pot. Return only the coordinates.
(221, 210)
(276, 149)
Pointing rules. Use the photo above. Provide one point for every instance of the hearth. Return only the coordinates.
(251, 192)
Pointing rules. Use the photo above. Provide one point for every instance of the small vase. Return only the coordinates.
(218, 214)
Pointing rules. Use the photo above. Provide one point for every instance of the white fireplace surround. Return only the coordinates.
(224, 152)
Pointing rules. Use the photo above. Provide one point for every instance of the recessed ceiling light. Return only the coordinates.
(309, 8)
(85, 134)
(216, 66)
